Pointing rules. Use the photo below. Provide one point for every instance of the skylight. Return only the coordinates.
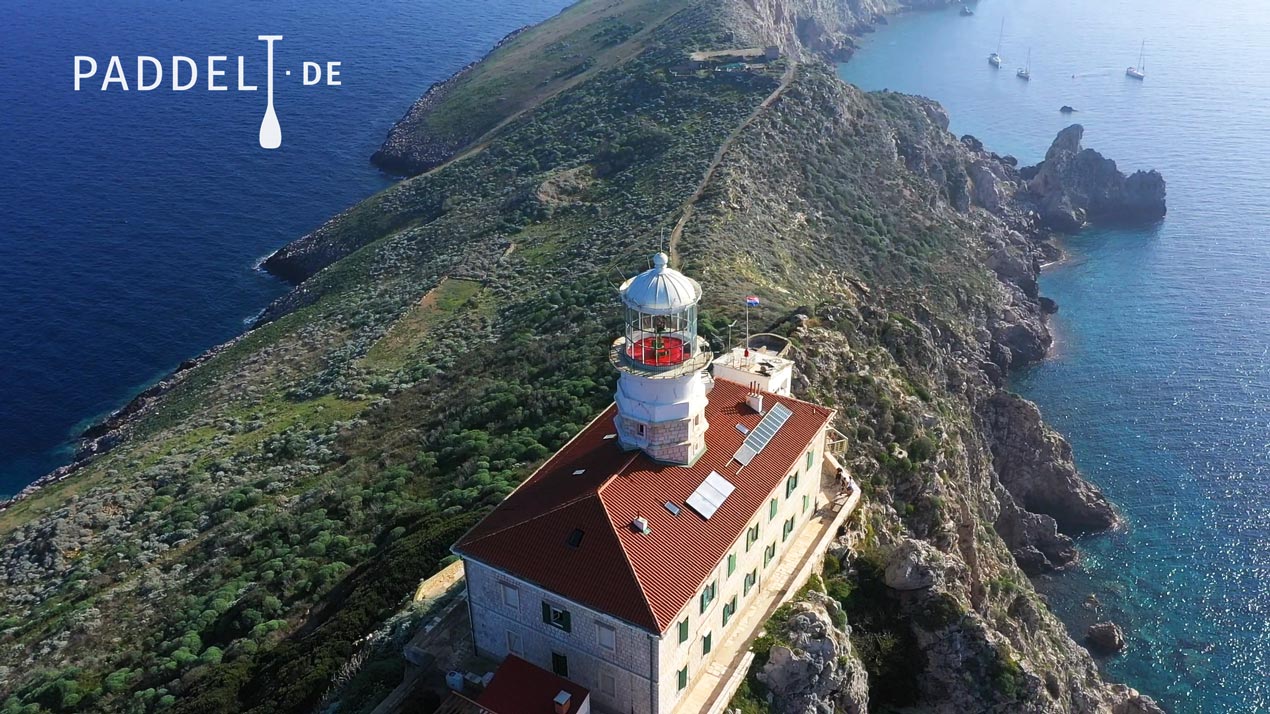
(763, 433)
(674, 510)
(710, 495)
(575, 538)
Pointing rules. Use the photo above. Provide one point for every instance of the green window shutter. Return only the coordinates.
(811, 456)
(806, 502)
(546, 613)
(683, 630)
(683, 678)
(566, 622)
(706, 644)
(771, 510)
(731, 563)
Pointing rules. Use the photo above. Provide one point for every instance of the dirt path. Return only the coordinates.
(691, 203)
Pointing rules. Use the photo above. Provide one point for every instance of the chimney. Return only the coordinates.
(755, 401)
(563, 702)
(640, 524)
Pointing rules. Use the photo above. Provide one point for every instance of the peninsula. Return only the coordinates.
(248, 535)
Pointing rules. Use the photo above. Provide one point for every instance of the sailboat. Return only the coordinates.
(1025, 72)
(1139, 72)
(994, 59)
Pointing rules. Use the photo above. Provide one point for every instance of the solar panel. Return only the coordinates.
(710, 495)
(763, 433)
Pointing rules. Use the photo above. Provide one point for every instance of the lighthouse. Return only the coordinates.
(661, 391)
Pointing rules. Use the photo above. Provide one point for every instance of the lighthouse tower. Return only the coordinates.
(661, 392)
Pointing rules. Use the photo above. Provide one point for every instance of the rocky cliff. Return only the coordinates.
(252, 523)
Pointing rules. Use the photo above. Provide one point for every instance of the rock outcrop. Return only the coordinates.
(816, 671)
(1074, 185)
(1105, 637)
(1035, 465)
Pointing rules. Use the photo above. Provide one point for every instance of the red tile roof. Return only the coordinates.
(519, 687)
(642, 579)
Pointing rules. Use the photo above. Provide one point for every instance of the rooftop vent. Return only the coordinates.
(755, 401)
(640, 525)
(575, 538)
(579, 472)
(674, 510)
(563, 702)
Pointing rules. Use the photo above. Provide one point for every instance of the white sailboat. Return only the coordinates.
(1140, 71)
(1025, 72)
(994, 59)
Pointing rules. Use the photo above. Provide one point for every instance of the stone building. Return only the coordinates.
(622, 562)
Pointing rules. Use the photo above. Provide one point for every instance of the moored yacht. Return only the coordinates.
(1025, 72)
(1140, 71)
(994, 59)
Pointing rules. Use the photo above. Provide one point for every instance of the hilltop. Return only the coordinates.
(236, 534)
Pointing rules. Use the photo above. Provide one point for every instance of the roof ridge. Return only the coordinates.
(463, 538)
(626, 559)
(516, 524)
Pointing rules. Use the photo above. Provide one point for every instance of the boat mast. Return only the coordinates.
(1142, 62)
(1000, 35)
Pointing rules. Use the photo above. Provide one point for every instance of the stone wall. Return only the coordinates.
(590, 664)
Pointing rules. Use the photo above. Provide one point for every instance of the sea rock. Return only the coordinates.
(1074, 185)
(1066, 109)
(817, 670)
(1034, 463)
(1105, 637)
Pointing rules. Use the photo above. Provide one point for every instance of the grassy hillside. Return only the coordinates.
(285, 496)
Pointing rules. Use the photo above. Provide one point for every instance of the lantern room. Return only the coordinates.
(661, 317)
(661, 392)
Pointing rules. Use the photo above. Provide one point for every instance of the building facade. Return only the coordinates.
(622, 564)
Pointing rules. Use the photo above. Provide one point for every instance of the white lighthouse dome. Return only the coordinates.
(662, 290)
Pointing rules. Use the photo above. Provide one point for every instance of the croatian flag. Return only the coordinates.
(751, 301)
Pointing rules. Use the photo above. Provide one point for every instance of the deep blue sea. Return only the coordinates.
(132, 222)
(1161, 373)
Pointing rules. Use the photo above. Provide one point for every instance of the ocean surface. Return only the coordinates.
(133, 222)
(1161, 373)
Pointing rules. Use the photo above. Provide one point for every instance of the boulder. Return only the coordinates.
(1074, 185)
(1105, 637)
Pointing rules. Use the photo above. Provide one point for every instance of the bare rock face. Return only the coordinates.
(915, 565)
(1105, 637)
(1074, 185)
(1035, 465)
(1033, 538)
(819, 672)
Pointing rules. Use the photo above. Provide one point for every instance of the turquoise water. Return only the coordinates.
(1161, 373)
(133, 221)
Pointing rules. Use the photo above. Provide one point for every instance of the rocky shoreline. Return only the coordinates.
(995, 497)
